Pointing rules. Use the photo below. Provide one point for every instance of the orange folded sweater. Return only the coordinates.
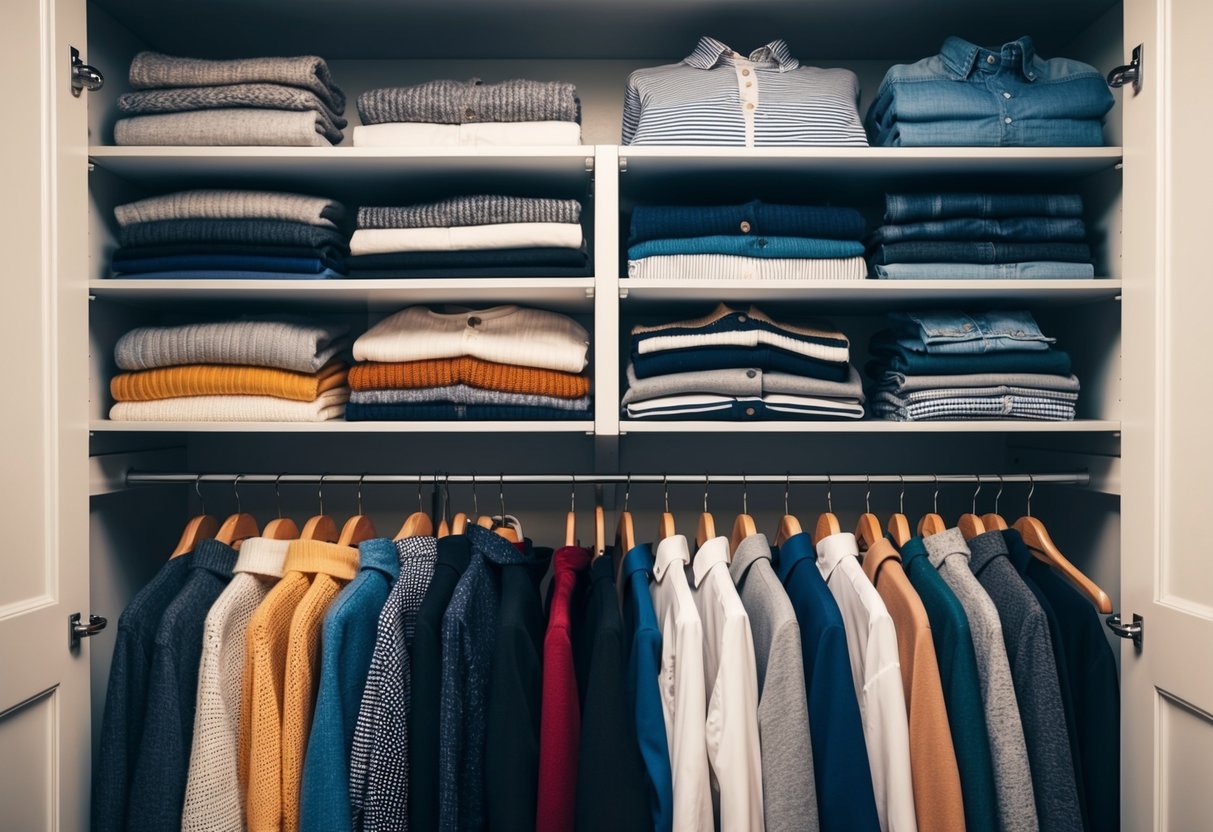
(486, 375)
(225, 380)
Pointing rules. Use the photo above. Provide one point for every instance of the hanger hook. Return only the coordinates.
(236, 491)
(446, 494)
(278, 494)
(627, 491)
(475, 500)
(975, 493)
(999, 494)
(745, 495)
(707, 481)
(198, 491)
(501, 493)
(665, 491)
(829, 493)
(572, 495)
(935, 498)
(361, 477)
(1031, 491)
(867, 496)
(901, 496)
(320, 492)
(787, 486)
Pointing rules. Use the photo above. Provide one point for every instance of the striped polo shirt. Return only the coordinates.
(717, 97)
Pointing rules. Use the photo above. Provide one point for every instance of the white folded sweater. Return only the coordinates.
(330, 405)
(505, 334)
(467, 237)
(480, 134)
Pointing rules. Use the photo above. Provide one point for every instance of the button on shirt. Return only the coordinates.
(731, 676)
(876, 672)
(717, 97)
(683, 691)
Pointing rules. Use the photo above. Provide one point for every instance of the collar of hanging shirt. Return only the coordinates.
(775, 56)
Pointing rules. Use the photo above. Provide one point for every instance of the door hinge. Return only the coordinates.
(1133, 631)
(77, 631)
(83, 76)
(1130, 73)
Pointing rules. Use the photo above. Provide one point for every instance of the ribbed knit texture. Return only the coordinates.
(225, 380)
(732, 267)
(150, 70)
(298, 345)
(481, 209)
(467, 238)
(233, 127)
(214, 801)
(266, 232)
(283, 650)
(260, 96)
(441, 412)
(457, 102)
(232, 205)
(505, 334)
(233, 409)
(462, 394)
(744, 245)
(485, 375)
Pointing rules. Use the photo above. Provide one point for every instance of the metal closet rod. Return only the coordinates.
(150, 478)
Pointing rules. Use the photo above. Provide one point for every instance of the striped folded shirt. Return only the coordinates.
(775, 406)
(738, 328)
(974, 407)
(730, 267)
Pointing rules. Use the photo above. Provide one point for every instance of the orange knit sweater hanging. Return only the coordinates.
(486, 375)
(221, 380)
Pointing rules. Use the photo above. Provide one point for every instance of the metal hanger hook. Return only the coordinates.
(501, 494)
(787, 486)
(829, 493)
(198, 491)
(975, 493)
(707, 481)
(627, 491)
(867, 495)
(475, 500)
(999, 494)
(572, 495)
(1031, 491)
(665, 491)
(236, 491)
(419, 504)
(278, 494)
(935, 498)
(745, 495)
(320, 492)
(361, 477)
(901, 496)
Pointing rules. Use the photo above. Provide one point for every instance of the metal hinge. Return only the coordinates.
(1133, 631)
(1130, 73)
(83, 76)
(77, 631)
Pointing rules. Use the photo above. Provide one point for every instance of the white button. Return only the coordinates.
(741, 319)
(1007, 120)
(1031, 76)
(989, 59)
(745, 227)
(1006, 95)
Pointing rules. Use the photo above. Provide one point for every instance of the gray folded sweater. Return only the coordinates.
(260, 232)
(152, 70)
(233, 127)
(463, 394)
(465, 102)
(286, 343)
(232, 205)
(257, 96)
(471, 210)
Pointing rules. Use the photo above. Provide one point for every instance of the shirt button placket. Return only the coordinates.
(747, 91)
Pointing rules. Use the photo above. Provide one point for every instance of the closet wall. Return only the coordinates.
(131, 529)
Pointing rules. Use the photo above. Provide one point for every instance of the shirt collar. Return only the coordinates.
(878, 554)
(672, 549)
(944, 545)
(749, 551)
(832, 549)
(712, 552)
(571, 559)
(797, 548)
(262, 556)
(911, 551)
(381, 555)
(214, 556)
(494, 547)
(638, 559)
(960, 56)
(984, 548)
(710, 52)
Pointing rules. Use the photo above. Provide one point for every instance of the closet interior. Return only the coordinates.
(595, 46)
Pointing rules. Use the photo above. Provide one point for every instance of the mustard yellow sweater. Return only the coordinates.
(223, 380)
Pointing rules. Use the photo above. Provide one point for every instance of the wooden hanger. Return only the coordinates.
(417, 524)
(202, 527)
(993, 521)
(706, 529)
(625, 533)
(238, 527)
(280, 528)
(1037, 538)
(359, 527)
(970, 524)
(599, 533)
(867, 530)
(789, 526)
(899, 524)
(827, 522)
(459, 523)
(665, 526)
(932, 523)
(321, 527)
(743, 524)
(499, 524)
(570, 519)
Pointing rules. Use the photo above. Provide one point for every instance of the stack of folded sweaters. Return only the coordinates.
(751, 241)
(980, 236)
(471, 236)
(470, 114)
(250, 370)
(953, 365)
(741, 365)
(218, 234)
(504, 363)
(290, 102)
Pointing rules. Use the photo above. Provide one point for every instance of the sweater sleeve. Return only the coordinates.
(121, 730)
(158, 784)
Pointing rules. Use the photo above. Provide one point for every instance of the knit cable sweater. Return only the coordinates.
(458, 102)
(213, 204)
(289, 344)
(152, 70)
(329, 405)
(483, 375)
(471, 210)
(225, 380)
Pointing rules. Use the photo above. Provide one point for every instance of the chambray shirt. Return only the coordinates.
(717, 97)
(1008, 96)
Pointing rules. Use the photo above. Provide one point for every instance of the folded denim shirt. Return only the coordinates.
(662, 222)
(906, 208)
(1036, 132)
(1030, 270)
(1008, 229)
(944, 332)
(892, 357)
(1007, 96)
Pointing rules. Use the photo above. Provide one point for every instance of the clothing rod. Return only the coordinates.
(150, 478)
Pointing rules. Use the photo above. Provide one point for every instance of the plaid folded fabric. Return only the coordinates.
(965, 407)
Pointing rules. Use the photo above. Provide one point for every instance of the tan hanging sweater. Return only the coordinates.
(280, 679)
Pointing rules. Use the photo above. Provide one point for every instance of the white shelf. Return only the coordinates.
(862, 292)
(565, 294)
(106, 426)
(871, 426)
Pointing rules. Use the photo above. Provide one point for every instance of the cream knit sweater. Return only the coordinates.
(505, 334)
(330, 405)
(214, 801)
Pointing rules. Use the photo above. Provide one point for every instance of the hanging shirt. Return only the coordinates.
(937, 797)
(420, 783)
(949, 554)
(347, 642)
(214, 801)
(845, 800)
(642, 640)
(718, 97)
(560, 730)
(683, 693)
(789, 792)
(876, 673)
(731, 675)
(961, 685)
(1025, 632)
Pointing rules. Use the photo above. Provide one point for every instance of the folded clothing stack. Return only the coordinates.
(470, 114)
(504, 363)
(741, 365)
(471, 236)
(751, 241)
(934, 366)
(249, 370)
(291, 102)
(225, 234)
(1006, 96)
(981, 236)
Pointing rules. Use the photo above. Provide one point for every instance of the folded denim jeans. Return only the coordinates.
(906, 208)
(745, 246)
(949, 331)
(1009, 229)
(744, 409)
(1033, 270)
(992, 132)
(962, 251)
(723, 358)
(661, 222)
(900, 360)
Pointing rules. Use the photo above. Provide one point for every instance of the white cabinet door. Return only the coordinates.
(1167, 569)
(44, 686)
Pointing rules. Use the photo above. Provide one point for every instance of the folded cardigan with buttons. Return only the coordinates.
(662, 222)
(474, 372)
(218, 204)
(459, 102)
(285, 343)
(742, 382)
(479, 209)
(152, 70)
(226, 380)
